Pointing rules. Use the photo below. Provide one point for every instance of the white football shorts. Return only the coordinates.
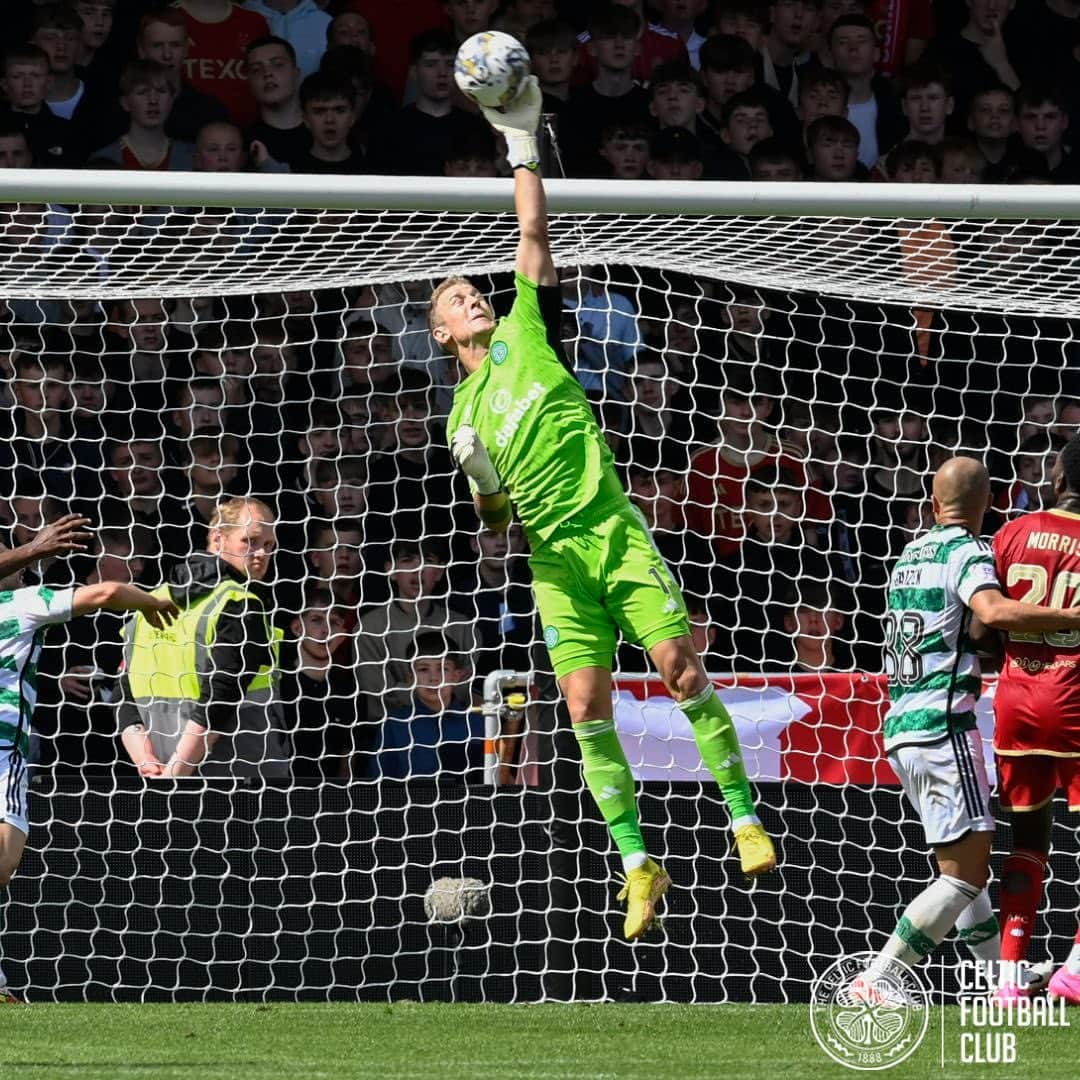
(13, 786)
(948, 786)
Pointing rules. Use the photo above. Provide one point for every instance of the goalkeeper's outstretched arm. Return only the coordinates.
(518, 123)
(533, 253)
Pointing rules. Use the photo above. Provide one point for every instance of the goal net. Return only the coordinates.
(778, 369)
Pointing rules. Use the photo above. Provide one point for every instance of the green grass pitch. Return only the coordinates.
(468, 1042)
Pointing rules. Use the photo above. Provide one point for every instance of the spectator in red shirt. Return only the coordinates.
(163, 38)
(680, 17)
(392, 35)
(656, 45)
(219, 32)
(746, 444)
(903, 28)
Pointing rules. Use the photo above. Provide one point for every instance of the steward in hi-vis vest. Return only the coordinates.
(201, 694)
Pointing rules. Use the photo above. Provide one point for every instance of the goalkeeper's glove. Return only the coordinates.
(472, 457)
(517, 122)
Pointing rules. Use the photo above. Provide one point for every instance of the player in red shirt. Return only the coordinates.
(1037, 713)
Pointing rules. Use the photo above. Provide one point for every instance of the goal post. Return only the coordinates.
(194, 336)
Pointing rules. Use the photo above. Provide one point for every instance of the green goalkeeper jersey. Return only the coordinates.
(533, 417)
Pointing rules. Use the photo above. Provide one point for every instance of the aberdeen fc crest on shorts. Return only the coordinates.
(499, 352)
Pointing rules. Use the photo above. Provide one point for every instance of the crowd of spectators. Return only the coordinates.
(778, 445)
(826, 90)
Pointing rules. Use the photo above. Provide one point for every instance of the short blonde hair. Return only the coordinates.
(238, 512)
(436, 296)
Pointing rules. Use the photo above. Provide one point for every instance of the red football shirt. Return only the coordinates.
(715, 499)
(393, 26)
(657, 45)
(897, 21)
(215, 63)
(1037, 703)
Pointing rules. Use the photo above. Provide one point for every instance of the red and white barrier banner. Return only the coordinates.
(818, 729)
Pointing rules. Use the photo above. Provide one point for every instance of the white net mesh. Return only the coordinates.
(776, 391)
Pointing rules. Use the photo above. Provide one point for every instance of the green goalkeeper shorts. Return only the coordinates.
(590, 579)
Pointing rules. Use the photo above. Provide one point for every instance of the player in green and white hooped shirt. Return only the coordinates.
(939, 582)
(25, 613)
(521, 429)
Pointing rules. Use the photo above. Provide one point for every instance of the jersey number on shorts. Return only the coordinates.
(1064, 592)
(903, 636)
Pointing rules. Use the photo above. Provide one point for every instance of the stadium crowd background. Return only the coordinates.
(779, 445)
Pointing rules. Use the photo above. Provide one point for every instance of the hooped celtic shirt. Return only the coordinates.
(24, 614)
(933, 669)
(536, 423)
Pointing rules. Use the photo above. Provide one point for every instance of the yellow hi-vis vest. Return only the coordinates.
(164, 667)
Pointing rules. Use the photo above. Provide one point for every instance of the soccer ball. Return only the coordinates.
(490, 68)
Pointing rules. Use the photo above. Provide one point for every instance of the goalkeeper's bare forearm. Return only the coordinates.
(530, 204)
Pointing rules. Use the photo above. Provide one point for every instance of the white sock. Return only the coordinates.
(926, 921)
(634, 860)
(1072, 964)
(746, 819)
(978, 929)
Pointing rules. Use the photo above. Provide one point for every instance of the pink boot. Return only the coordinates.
(1064, 985)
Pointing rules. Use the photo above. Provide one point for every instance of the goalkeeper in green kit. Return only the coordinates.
(524, 434)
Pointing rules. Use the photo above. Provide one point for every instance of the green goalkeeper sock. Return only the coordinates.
(715, 736)
(608, 777)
